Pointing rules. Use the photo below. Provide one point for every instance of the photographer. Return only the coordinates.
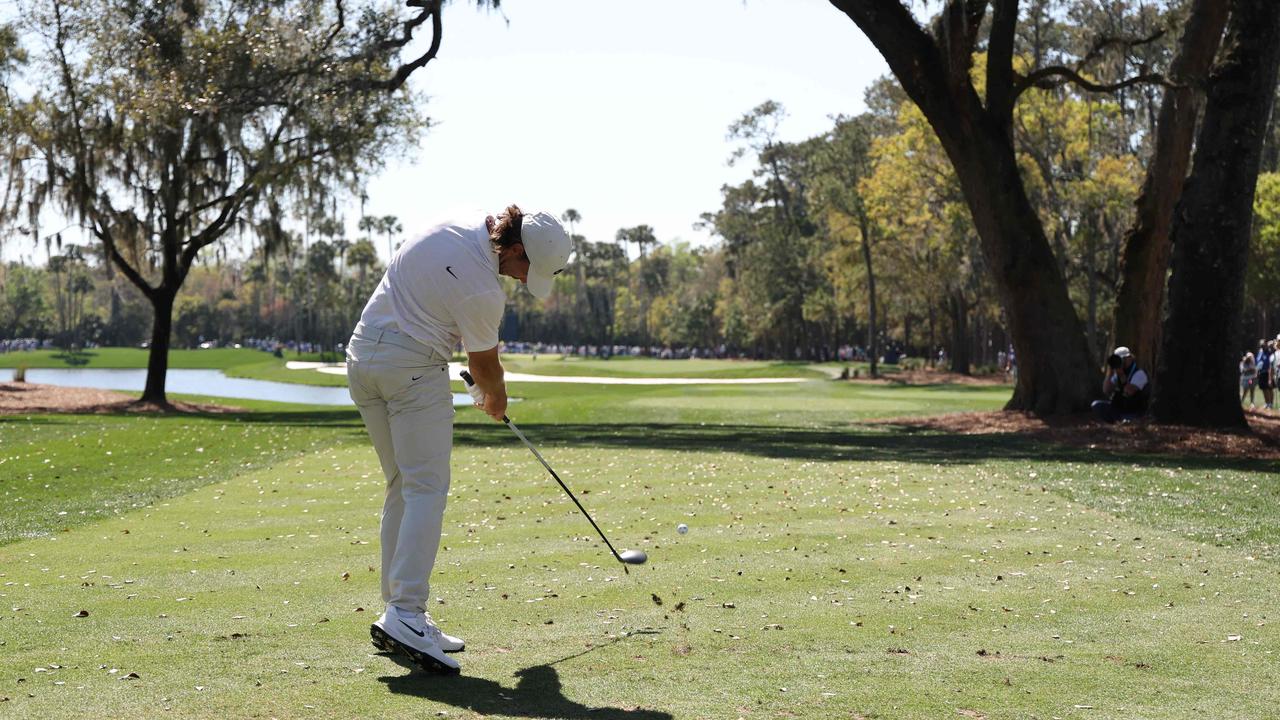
(1125, 386)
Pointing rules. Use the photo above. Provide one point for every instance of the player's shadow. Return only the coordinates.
(537, 694)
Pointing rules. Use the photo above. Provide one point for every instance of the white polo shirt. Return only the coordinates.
(441, 288)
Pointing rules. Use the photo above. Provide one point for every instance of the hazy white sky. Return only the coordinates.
(616, 108)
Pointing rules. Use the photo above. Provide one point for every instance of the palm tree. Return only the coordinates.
(642, 236)
(572, 216)
(369, 225)
(390, 225)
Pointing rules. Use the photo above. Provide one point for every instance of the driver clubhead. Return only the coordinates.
(633, 557)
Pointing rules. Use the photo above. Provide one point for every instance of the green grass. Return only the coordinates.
(115, 357)
(258, 365)
(832, 569)
(642, 367)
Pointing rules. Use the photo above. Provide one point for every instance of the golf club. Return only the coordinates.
(627, 557)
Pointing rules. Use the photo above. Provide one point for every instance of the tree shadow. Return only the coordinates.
(538, 693)
(876, 443)
(75, 358)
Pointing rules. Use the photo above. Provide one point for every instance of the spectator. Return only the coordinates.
(1125, 387)
(1266, 361)
(1248, 378)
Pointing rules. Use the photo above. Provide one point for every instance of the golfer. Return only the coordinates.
(439, 289)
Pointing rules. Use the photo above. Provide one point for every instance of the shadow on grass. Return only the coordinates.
(859, 443)
(538, 693)
(75, 358)
(874, 443)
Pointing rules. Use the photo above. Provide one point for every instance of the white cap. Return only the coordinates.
(1122, 351)
(548, 247)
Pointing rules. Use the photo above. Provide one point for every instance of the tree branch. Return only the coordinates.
(956, 33)
(1109, 41)
(430, 9)
(1041, 79)
(1000, 88)
(100, 230)
(911, 53)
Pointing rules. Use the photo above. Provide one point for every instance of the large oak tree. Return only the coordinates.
(934, 66)
(1212, 226)
(161, 127)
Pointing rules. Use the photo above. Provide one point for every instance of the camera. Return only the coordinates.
(1113, 362)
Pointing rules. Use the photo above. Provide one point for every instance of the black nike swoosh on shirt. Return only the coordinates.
(449, 269)
(415, 379)
(415, 632)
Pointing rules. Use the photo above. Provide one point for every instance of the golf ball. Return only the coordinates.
(682, 528)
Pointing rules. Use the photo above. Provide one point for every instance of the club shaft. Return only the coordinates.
(566, 489)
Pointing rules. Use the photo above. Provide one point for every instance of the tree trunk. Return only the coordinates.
(1145, 266)
(1055, 373)
(1091, 279)
(158, 356)
(958, 308)
(1212, 227)
(873, 338)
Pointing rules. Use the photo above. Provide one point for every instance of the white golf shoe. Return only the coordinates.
(418, 638)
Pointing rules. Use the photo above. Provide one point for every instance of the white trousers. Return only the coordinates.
(402, 390)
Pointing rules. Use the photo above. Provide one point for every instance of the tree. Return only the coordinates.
(1212, 226)
(1148, 243)
(573, 217)
(186, 119)
(390, 225)
(71, 285)
(1262, 286)
(935, 67)
(643, 237)
(22, 304)
(843, 164)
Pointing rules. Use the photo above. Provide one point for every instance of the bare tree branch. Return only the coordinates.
(430, 9)
(1042, 78)
(1109, 41)
(99, 229)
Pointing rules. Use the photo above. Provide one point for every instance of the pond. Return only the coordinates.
(198, 382)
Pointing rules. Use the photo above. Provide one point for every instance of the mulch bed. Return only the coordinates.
(933, 377)
(24, 398)
(1261, 441)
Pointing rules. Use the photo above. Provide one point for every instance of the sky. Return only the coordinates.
(616, 108)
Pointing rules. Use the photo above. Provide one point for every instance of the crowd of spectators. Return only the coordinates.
(1259, 372)
(23, 344)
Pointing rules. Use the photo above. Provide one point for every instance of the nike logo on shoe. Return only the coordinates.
(415, 632)
(449, 269)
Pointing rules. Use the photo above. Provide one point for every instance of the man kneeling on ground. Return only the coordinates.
(1125, 387)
